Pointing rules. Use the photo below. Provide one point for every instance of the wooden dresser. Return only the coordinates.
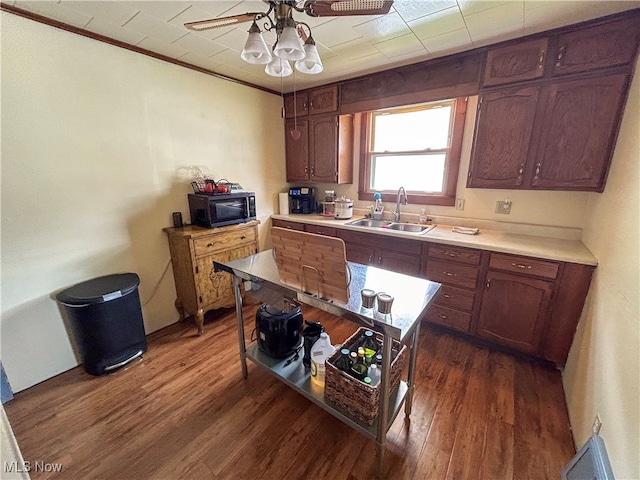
(193, 249)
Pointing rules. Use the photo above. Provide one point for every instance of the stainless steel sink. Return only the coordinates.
(368, 222)
(400, 227)
(409, 227)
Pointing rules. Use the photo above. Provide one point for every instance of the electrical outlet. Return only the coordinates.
(597, 423)
(503, 207)
(459, 203)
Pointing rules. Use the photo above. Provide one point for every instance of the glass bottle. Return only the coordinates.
(344, 362)
(374, 374)
(360, 369)
(370, 343)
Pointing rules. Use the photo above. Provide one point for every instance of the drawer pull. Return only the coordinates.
(379, 260)
(449, 254)
(449, 274)
(243, 237)
(210, 244)
(447, 296)
(520, 265)
(444, 317)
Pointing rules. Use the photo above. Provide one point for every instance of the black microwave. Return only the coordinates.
(211, 211)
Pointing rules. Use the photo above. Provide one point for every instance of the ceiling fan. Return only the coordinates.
(290, 34)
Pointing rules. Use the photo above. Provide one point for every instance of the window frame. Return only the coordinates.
(452, 162)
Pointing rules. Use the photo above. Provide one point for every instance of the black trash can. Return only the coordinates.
(106, 320)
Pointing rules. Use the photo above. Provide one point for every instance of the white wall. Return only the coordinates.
(96, 141)
(603, 370)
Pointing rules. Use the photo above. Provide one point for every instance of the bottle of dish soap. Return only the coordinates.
(423, 217)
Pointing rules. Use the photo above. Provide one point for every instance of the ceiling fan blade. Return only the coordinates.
(337, 8)
(221, 22)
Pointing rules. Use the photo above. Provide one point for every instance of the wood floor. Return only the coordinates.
(184, 411)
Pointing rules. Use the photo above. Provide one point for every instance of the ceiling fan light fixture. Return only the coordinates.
(289, 46)
(311, 62)
(255, 51)
(278, 67)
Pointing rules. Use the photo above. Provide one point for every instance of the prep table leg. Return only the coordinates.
(383, 415)
(412, 371)
(237, 284)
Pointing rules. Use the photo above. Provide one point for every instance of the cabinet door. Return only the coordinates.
(297, 151)
(502, 138)
(215, 289)
(323, 100)
(577, 133)
(357, 253)
(524, 61)
(514, 311)
(324, 148)
(296, 104)
(601, 46)
(398, 262)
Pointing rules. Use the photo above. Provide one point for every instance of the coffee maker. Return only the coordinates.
(302, 200)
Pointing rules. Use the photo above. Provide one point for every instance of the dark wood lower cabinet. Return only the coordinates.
(514, 311)
(528, 305)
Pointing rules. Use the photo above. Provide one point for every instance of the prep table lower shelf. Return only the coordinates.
(296, 376)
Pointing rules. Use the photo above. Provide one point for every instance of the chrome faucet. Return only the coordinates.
(396, 214)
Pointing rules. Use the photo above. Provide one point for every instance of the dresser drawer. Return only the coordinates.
(457, 298)
(455, 254)
(450, 273)
(449, 317)
(223, 241)
(317, 229)
(526, 265)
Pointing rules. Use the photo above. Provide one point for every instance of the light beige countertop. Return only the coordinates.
(564, 250)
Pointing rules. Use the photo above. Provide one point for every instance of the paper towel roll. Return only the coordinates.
(284, 203)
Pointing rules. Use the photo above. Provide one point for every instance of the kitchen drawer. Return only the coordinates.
(455, 254)
(382, 241)
(287, 224)
(451, 273)
(328, 231)
(454, 297)
(449, 317)
(526, 265)
(223, 241)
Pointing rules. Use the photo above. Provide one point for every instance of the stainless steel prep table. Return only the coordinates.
(412, 297)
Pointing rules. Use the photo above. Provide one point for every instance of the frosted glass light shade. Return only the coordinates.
(278, 68)
(311, 62)
(255, 51)
(289, 46)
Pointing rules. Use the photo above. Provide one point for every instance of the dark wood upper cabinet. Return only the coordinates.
(323, 144)
(578, 123)
(600, 46)
(323, 100)
(504, 126)
(513, 63)
(297, 151)
(296, 105)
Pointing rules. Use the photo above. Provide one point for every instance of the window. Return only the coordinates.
(416, 147)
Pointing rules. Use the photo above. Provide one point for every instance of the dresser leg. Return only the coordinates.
(200, 321)
(180, 309)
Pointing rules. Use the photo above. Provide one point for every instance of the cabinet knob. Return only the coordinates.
(560, 57)
(541, 59)
(370, 259)
(537, 170)
(380, 260)
(488, 284)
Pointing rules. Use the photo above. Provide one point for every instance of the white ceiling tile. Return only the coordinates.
(506, 19)
(413, 9)
(383, 27)
(469, 7)
(195, 43)
(56, 11)
(199, 61)
(156, 28)
(236, 38)
(543, 15)
(455, 41)
(162, 10)
(400, 46)
(229, 57)
(108, 29)
(117, 13)
(163, 48)
(355, 49)
(439, 23)
(8, 2)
